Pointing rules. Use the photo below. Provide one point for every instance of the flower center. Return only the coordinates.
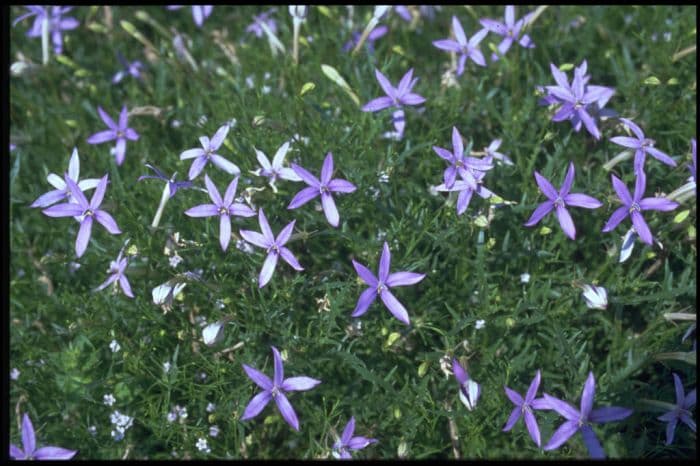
(381, 287)
(648, 143)
(559, 202)
(324, 189)
(634, 207)
(223, 211)
(88, 213)
(120, 134)
(274, 248)
(275, 391)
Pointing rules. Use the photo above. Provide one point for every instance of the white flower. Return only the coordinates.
(172, 416)
(525, 277)
(174, 260)
(108, 399)
(202, 445)
(211, 407)
(166, 366)
(480, 324)
(596, 297)
(164, 294)
(117, 436)
(213, 431)
(298, 11)
(14, 373)
(92, 430)
(114, 346)
(213, 333)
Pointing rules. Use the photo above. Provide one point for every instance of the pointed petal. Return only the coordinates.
(358, 443)
(633, 126)
(230, 193)
(561, 435)
(28, 437)
(460, 374)
(546, 187)
(88, 183)
(213, 191)
(330, 210)
(224, 231)
(107, 221)
(97, 196)
(493, 26)
(255, 238)
(532, 389)
(256, 405)
(56, 181)
(385, 84)
(514, 396)
(218, 137)
(587, 395)
(404, 279)
(478, 57)
(563, 408)
(197, 167)
(510, 15)
(229, 167)
(280, 155)
(365, 274)
(380, 103)
(448, 45)
(288, 174)
(394, 306)
(106, 118)
(595, 449)
(17, 453)
(384, 263)
(241, 210)
(625, 141)
(285, 234)
(680, 391)
(348, 431)
(457, 144)
(279, 367)
(565, 221)
(202, 210)
(287, 411)
(589, 122)
(609, 414)
(83, 238)
(260, 379)
(341, 186)
(124, 283)
(192, 153)
(290, 259)
(305, 175)
(621, 190)
(443, 153)
(463, 200)
(327, 168)
(564, 112)
(689, 401)
(412, 99)
(63, 210)
(366, 299)
(539, 213)
(615, 219)
(299, 384)
(102, 136)
(660, 156)
(458, 31)
(582, 200)
(123, 118)
(657, 203)
(405, 83)
(641, 227)
(49, 198)
(268, 269)
(512, 419)
(478, 37)
(54, 453)
(532, 427)
(568, 181)
(671, 430)
(640, 185)
(303, 196)
(559, 76)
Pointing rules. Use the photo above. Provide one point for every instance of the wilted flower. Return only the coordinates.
(213, 333)
(596, 297)
(469, 390)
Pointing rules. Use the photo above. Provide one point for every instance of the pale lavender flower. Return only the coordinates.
(348, 442)
(469, 390)
(62, 191)
(29, 450)
(57, 23)
(524, 407)
(173, 185)
(116, 271)
(467, 186)
(128, 69)
(395, 97)
(323, 187)
(426, 11)
(121, 132)
(276, 389)
(273, 171)
(380, 285)
(14, 373)
(634, 206)
(641, 146)
(465, 48)
(579, 101)
(376, 33)
(559, 201)
(208, 153)
(596, 296)
(224, 208)
(264, 17)
(459, 164)
(681, 411)
(274, 247)
(491, 151)
(86, 210)
(199, 12)
(510, 30)
(580, 421)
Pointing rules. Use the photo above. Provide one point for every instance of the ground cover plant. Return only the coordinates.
(408, 318)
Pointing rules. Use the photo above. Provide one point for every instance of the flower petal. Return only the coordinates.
(512, 419)
(657, 203)
(49, 198)
(106, 118)
(256, 405)
(192, 153)
(83, 238)
(615, 219)
(285, 234)
(394, 306)
(224, 231)
(460, 374)
(661, 156)
(380, 103)
(563, 408)
(532, 427)
(595, 449)
(327, 168)
(365, 274)
(532, 389)
(63, 210)
(260, 379)
(17, 453)
(126, 287)
(621, 190)
(385, 84)
(107, 221)
(101, 137)
(366, 299)
(202, 210)
(54, 453)
(566, 222)
(404, 278)
(28, 437)
(341, 186)
(568, 181)
(303, 196)
(299, 384)
(268, 269)
(255, 238)
(358, 443)
(609, 414)
(582, 200)
(514, 396)
(384, 263)
(641, 227)
(448, 45)
(219, 137)
(290, 259)
(633, 126)
(329, 209)
(587, 395)
(539, 213)
(625, 141)
(287, 411)
(561, 435)
(546, 187)
(306, 176)
(229, 167)
(280, 155)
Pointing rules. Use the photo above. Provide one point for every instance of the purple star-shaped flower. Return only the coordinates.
(469, 390)
(633, 206)
(121, 132)
(471, 183)
(681, 411)
(465, 48)
(459, 164)
(57, 24)
(62, 191)
(324, 187)
(86, 210)
(276, 389)
(173, 185)
(199, 12)
(641, 145)
(116, 271)
(264, 17)
(491, 151)
(525, 407)
(128, 69)
(579, 421)
(274, 247)
(559, 201)
(577, 100)
(379, 286)
(376, 33)
(395, 97)
(273, 171)
(30, 452)
(510, 30)
(224, 208)
(208, 153)
(348, 442)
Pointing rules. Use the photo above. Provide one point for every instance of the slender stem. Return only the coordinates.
(370, 26)
(295, 45)
(535, 15)
(45, 39)
(163, 200)
(683, 53)
(621, 157)
(683, 193)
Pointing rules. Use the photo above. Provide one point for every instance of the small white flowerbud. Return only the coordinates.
(596, 297)
(469, 394)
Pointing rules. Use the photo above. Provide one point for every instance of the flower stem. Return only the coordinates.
(295, 45)
(45, 40)
(163, 200)
(370, 26)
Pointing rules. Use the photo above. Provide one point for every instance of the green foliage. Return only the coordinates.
(387, 375)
